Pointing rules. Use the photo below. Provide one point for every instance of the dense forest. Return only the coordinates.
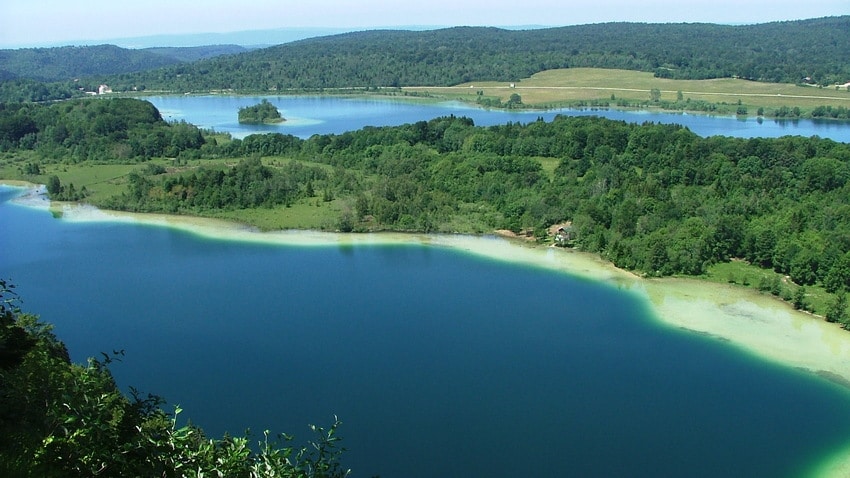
(74, 62)
(92, 130)
(648, 197)
(785, 52)
(60, 419)
(71, 62)
(27, 90)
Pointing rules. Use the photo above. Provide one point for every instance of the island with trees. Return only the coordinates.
(261, 113)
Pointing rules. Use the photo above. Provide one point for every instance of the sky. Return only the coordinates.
(32, 23)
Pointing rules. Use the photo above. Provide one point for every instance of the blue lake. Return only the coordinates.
(439, 363)
(308, 115)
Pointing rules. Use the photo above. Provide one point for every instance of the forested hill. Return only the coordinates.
(775, 52)
(69, 62)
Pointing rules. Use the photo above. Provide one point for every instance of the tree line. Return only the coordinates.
(113, 130)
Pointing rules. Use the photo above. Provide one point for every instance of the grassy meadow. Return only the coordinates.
(103, 181)
(816, 298)
(569, 86)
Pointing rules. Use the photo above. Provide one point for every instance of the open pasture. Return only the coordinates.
(569, 86)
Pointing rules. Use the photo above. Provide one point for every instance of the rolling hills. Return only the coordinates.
(811, 51)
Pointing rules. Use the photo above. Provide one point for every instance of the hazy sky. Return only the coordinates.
(39, 22)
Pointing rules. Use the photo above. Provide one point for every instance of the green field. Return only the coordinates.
(312, 214)
(103, 181)
(100, 180)
(569, 86)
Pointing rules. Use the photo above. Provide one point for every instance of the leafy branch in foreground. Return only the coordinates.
(58, 419)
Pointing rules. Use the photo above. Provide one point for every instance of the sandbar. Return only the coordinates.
(758, 324)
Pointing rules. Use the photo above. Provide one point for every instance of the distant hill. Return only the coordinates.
(69, 62)
(195, 53)
(776, 52)
(812, 51)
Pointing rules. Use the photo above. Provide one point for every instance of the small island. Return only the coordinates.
(262, 113)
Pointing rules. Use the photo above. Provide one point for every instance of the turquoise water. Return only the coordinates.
(439, 363)
(308, 115)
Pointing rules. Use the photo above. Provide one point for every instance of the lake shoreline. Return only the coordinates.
(755, 323)
(740, 315)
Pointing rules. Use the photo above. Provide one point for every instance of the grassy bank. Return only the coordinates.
(102, 181)
(815, 299)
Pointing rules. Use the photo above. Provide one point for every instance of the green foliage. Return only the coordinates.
(832, 112)
(837, 311)
(655, 95)
(70, 62)
(264, 112)
(799, 300)
(838, 276)
(58, 418)
(21, 90)
(101, 130)
(515, 101)
(54, 185)
(15, 343)
(249, 184)
(194, 53)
